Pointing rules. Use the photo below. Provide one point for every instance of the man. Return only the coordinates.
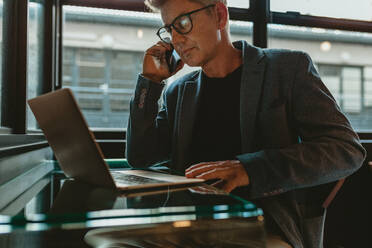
(260, 120)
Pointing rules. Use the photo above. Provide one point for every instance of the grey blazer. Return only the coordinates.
(295, 140)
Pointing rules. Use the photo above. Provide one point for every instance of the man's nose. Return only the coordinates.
(177, 38)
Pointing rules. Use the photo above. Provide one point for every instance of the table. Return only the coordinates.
(68, 213)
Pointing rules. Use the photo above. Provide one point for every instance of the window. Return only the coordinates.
(367, 79)
(238, 3)
(1, 52)
(103, 82)
(241, 30)
(345, 84)
(35, 56)
(358, 10)
(102, 56)
(342, 60)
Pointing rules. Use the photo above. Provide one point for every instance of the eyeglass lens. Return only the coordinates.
(182, 25)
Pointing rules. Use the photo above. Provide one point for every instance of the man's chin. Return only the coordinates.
(192, 63)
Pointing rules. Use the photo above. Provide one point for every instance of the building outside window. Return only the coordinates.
(359, 10)
(103, 82)
(238, 3)
(342, 61)
(102, 56)
(367, 79)
(34, 56)
(342, 57)
(1, 52)
(103, 51)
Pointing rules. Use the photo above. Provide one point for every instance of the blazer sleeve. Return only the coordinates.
(148, 139)
(329, 148)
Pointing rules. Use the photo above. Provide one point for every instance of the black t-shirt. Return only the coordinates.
(216, 131)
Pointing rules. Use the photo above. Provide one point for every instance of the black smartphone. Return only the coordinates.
(173, 59)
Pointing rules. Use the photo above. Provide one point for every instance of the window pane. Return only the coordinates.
(102, 57)
(1, 52)
(343, 62)
(238, 3)
(359, 10)
(368, 88)
(34, 56)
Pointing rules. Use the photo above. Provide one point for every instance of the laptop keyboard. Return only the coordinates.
(133, 179)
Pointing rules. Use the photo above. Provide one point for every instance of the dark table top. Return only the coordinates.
(102, 212)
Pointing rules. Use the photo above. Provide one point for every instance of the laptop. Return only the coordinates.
(80, 157)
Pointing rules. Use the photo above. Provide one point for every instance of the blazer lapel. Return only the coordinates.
(250, 92)
(186, 118)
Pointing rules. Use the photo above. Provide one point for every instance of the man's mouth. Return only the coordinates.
(185, 51)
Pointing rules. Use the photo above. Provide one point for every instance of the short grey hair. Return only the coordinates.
(155, 5)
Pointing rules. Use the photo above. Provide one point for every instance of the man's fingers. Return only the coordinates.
(218, 172)
(158, 50)
(225, 185)
(154, 64)
(219, 184)
(231, 172)
(165, 45)
(192, 167)
(201, 190)
(200, 168)
(228, 187)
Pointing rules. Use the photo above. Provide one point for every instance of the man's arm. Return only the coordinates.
(148, 139)
(330, 149)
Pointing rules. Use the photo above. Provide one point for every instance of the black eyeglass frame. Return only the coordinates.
(170, 26)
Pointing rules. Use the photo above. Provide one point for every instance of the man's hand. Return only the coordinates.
(155, 66)
(231, 173)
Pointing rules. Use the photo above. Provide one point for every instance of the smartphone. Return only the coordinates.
(173, 60)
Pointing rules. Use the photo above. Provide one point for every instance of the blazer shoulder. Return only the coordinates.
(274, 53)
(286, 57)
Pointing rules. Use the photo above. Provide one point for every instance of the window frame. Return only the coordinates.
(14, 84)
(15, 15)
(13, 112)
(16, 139)
(341, 66)
(259, 13)
(297, 19)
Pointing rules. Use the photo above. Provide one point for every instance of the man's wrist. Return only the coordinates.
(153, 78)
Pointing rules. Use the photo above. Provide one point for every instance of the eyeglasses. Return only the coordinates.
(182, 24)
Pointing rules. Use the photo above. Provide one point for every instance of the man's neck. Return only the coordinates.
(225, 62)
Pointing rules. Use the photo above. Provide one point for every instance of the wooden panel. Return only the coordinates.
(349, 216)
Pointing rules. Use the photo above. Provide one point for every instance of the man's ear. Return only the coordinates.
(222, 15)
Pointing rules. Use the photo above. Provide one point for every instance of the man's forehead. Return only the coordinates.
(174, 8)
